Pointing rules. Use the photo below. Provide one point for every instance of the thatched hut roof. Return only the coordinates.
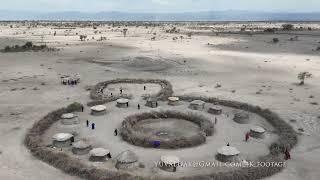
(127, 157)
(228, 151)
(99, 152)
(152, 99)
(81, 145)
(98, 108)
(170, 160)
(122, 101)
(215, 108)
(68, 116)
(197, 102)
(257, 129)
(173, 99)
(62, 137)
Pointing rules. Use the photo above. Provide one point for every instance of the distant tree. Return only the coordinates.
(124, 31)
(28, 45)
(83, 37)
(7, 49)
(269, 30)
(275, 40)
(287, 27)
(302, 76)
(189, 34)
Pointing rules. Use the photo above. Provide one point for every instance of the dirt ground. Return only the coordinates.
(243, 65)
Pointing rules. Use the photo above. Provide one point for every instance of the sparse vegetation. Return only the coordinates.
(83, 37)
(287, 27)
(302, 76)
(275, 40)
(125, 31)
(28, 46)
(270, 30)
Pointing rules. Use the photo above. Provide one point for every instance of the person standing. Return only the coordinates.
(247, 136)
(116, 132)
(287, 154)
(93, 126)
(87, 123)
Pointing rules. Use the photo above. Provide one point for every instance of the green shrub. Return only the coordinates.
(74, 107)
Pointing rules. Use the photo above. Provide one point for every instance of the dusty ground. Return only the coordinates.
(30, 85)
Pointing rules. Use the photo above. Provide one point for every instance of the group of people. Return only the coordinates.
(69, 81)
(93, 125)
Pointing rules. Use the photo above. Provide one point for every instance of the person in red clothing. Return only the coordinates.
(247, 136)
(287, 155)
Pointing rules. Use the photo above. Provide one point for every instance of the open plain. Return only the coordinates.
(230, 61)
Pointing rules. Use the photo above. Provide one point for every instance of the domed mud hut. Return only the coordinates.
(169, 163)
(152, 102)
(173, 101)
(216, 110)
(123, 103)
(241, 117)
(228, 154)
(257, 132)
(69, 119)
(197, 105)
(61, 140)
(99, 155)
(98, 110)
(81, 148)
(127, 160)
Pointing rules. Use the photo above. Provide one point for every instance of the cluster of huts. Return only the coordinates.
(229, 153)
(128, 159)
(125, 160)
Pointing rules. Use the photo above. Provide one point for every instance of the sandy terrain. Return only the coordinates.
(30, 81)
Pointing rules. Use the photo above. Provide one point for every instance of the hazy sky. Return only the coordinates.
(161, 5)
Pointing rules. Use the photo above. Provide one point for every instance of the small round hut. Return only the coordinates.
(228, 154)
(98, 110)
(127, 160)
(241, 117)
(69, 119)
(152, 102)
(173, 101)
(99, 155)
(123, 103)
(216, 110)
(257, 132)
(169, 163)
(197, 105)
(61, 140)
(81, 148)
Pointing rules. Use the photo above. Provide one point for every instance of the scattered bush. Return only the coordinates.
(275, 40)
(270, 30)
(287, 27)
(302, 76)
(28, 46)
(75, 107)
